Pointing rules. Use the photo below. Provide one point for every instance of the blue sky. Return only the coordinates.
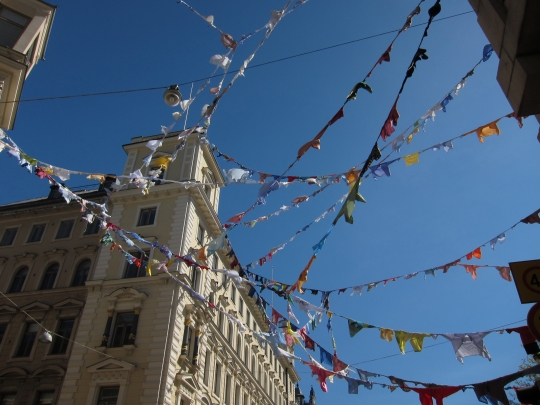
(421, 217)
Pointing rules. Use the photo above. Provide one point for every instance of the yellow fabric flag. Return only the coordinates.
(99, 177)
(162, 162)
(487, 130)
(411, 159)
(410, 137)
(387, 334)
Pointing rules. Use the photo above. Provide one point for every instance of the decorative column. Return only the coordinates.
(131, 337)
(198, 334)
(106, 334)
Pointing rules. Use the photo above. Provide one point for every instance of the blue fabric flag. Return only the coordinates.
(326, 357)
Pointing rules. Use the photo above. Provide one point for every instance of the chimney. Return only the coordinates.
(54, 193)
(107, 184)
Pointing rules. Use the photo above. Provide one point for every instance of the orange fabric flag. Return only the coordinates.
(471, 269)
(475, 253)
(303, 276)
(487, 130)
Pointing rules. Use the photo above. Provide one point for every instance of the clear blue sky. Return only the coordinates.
(421, 217)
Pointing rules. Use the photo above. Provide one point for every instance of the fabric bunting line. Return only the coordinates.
(267, 188)
(284, 288)
(236, 176)
(464, 345)
(375, 154)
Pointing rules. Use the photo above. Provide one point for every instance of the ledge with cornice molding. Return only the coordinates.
(55, 253)
(26, 256)
(85, 249)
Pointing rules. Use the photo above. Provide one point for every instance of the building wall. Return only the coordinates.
(163, 366)
(40, 370)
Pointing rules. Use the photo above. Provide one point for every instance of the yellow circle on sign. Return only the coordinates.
(531, 278)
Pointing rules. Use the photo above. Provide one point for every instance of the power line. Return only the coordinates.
(105, 93)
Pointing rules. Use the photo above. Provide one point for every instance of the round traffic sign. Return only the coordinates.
(533, 320)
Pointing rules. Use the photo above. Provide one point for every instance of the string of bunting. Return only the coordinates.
(465, 345)
(244, 176)
(375, 154)
(267, 188)
(284, 289)
(379, 170)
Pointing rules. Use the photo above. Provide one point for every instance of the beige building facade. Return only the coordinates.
(46, 254)
(166, 347)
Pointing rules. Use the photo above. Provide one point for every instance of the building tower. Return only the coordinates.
(299, 397)
(151, 342)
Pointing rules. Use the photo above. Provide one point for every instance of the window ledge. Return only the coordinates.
(129, 349)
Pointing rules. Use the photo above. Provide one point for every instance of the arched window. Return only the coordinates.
(259, 378)
(81, 274)
(246, 355)
(239, 346)
(50, 276)
(253, 365)
(230, 336)
(18, 280)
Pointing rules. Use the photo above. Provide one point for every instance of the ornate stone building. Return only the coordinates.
(165, 347)
(46, 254)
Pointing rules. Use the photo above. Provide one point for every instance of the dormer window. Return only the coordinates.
(12, 25)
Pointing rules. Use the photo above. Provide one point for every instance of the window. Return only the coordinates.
(237, 395)
(241, 307)
(200, 235)
(147, 216)
(253, 365)
(108, 395)
(248, 318)
(49, 277)
(64, 230)
(93, 227)
(12, 25)
(18, 280)
(214, 261)
(45, 398)
(36, 233)
(7, 398)
(3, 328)
(246, 355)
(220, 321)
(233, 294)
(27, 341)
(230, 335)
(208, 187)
(239, 346)
(122, 329)
(217, 379)
(64, 329)
(207, 360)
(228, 390)
(188, 339)
(9, 237)
(81, 274)
(132, 270)
(194, 276)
